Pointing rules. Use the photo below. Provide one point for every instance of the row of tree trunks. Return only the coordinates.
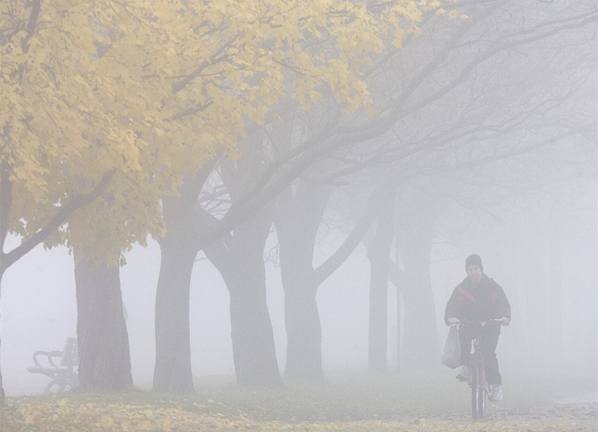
(103, 339)
(106, 365)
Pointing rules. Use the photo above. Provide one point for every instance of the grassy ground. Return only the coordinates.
(344, 403)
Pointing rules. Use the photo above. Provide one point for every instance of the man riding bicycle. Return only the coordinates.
(476, 300)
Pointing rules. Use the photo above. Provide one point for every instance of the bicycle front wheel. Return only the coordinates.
(474, 394)
(478, 395)
(482, 398)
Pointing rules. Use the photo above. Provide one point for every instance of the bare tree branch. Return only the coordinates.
(324, 270)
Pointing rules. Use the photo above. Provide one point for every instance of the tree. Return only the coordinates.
(53, 120)
(379, 247)
(239, 257)
(269, 51)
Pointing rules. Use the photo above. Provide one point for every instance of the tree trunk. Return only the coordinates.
(172, 371)
(251, 329)
(297, 227)
(379, 257)
(416, 222)
(103, 341)
(302, 318)
(304, 332)
(420, 338)
(240, 260)
(179, 247)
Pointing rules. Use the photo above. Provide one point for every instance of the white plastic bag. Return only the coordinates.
(451, 355)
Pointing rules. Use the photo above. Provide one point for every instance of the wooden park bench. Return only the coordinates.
(59, 366)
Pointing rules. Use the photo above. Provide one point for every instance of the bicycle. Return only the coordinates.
(477, 381)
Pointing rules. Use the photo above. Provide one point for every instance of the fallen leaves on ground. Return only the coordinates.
(81, 415)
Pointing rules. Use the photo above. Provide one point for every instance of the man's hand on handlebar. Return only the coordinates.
(505, 321)
(452, 321)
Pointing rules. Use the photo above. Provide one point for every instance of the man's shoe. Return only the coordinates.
(465, 374)
(495, 392)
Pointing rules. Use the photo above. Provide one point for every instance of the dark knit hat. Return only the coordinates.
(474, 259)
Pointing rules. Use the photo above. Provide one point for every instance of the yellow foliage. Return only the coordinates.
(154, 88)
(96, 416)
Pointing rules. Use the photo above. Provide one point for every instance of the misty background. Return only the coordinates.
(486, 144)
(542, 251)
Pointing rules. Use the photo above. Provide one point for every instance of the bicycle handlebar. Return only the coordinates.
(502, 321)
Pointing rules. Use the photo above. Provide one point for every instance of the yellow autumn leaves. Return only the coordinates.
(154, 88)
(72, 415)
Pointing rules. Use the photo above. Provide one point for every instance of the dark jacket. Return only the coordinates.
(481, 303)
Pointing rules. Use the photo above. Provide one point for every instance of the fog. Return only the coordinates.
(552, 333)
(324, 242)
